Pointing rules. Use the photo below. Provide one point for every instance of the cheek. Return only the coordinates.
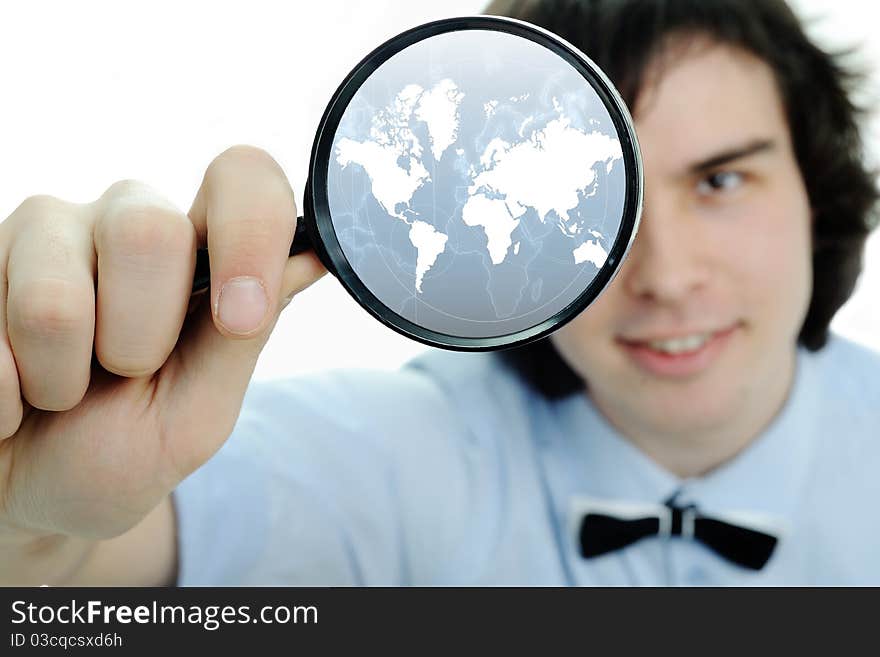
(585, 339)
(774, 263)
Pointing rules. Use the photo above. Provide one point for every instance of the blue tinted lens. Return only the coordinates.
(476, 183)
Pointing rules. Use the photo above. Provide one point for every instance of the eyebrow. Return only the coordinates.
(732, 154)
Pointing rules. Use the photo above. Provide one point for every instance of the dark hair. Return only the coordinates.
(623, 37)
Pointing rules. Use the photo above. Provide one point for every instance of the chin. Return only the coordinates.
(689, 411)
(669, 405)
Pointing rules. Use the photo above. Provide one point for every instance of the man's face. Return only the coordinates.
(701, 323)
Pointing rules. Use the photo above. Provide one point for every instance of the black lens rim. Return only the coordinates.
(323, 234)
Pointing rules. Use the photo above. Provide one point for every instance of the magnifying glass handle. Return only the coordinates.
(202, 277)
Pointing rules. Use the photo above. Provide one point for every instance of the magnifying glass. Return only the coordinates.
(475, 183)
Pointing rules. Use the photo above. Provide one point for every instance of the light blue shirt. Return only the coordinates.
(453, 471)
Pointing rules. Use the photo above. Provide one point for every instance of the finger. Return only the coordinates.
(145, 251)
(245, 211)
(10, 392)
(50, 305)
(299, 273)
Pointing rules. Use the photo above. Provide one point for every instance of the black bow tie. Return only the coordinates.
(601, 533)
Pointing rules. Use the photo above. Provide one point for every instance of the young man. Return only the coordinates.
(696, 425)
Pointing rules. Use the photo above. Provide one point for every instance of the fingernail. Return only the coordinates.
(242, 304)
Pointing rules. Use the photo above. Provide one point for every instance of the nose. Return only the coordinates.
(667, 261)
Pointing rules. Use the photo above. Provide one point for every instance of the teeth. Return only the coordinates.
(680, 345)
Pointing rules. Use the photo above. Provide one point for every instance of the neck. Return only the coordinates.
(695, 451)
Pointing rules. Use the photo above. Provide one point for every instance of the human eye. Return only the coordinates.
(720, 182)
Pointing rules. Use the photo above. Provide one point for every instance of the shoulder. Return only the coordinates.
(429, 384)
(431, 401)
(487, 393)
(466, 375)
(845, 401)
(842, 414)
(847, 370)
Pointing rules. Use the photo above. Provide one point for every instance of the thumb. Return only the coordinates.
(244, 211)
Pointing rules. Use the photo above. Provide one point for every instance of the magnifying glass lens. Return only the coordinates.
(479, 184)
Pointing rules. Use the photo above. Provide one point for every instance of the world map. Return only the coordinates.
(475, 183)
(547, 171)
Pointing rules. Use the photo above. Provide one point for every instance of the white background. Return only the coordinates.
(93, 92)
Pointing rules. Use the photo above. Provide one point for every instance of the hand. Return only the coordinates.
(114, 386)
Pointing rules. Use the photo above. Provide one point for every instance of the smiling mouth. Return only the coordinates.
(679, 355)
(680, 345)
